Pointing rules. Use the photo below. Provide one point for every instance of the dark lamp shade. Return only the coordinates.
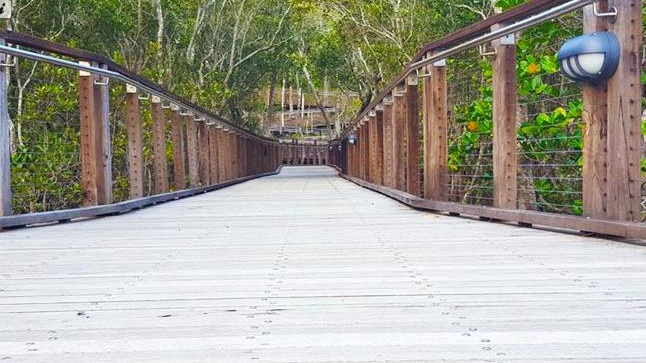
(590, 58)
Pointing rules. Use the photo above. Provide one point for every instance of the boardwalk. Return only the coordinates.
(307, 267)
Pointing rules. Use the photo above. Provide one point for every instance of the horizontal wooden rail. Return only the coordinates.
(117, 208)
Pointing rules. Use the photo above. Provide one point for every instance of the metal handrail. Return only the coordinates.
(17, 52)
(495, 34)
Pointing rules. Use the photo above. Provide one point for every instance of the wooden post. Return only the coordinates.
(213, 153)
(505, 107)
(160, 168)
(436, 152)
(388, 142)
(372, 135)
(233, 154)
(191, 149)
(595, 135)
(412, 135)
(364, 143)
(5, 151)
(624, 116)
(379, 145)
(399, 128)
(203, 154)
(92, 141)
(135, 144)
(179, 156)
(222, 155)
(102, 109)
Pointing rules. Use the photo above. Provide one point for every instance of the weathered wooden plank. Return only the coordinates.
(36, 219)
(135, 144)
(505, 111)
(202, 280)
(412, 136)
(5, 142)
(160, 165)
(624, 116)
(179, 152)
(436, 152)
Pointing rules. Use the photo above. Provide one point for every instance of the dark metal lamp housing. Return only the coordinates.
(352, 139)
(590, 58)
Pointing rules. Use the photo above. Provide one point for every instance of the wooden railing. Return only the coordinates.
(187, 148)
(403, 145)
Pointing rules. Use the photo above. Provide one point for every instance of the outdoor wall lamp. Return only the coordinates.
(590, 58)
(352, 139)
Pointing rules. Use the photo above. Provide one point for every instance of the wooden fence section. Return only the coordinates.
(304, 154)
(192, 148)
(612, 137)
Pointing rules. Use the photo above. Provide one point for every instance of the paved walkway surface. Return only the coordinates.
(307, 267)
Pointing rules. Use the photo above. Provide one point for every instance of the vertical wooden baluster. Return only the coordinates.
(399, 132)
(388, 142)
(91, 141)
(222, 152)
(379, 145)
(436, 110)
(179, 156)
(5, 137)
(102, 109)
(213, 153)
(595, 134)
(372, 136)
(505, 111)
(203, 154)
(233, 155)
(160, 167)
(363, 145)
(192, 151)
(135, 144)
(412, 135)
(624, 116)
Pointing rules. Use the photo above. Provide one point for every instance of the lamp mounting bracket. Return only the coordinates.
(611, 13)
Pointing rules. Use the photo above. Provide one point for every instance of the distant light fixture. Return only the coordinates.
(352, 139)
(590, 58)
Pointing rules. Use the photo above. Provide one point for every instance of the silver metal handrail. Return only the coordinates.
(505, 30)
(22, 53)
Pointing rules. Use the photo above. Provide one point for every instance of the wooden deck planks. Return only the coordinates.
(307, 267)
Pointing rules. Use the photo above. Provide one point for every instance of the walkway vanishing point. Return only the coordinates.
(308, 267)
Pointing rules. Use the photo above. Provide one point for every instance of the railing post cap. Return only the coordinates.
(85, 73)
(412, 79)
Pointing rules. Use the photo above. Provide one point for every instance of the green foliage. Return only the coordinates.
(549, 136)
